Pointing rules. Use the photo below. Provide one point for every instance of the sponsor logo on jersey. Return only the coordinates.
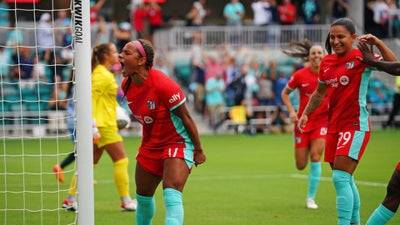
(151, 104)
(333, 82)
(344, 80)
(349, 65)
(148, 119)
(174, 98)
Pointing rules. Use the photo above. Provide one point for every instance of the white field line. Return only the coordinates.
(265, 176)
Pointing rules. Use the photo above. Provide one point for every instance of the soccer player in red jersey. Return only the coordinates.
(170, 143)
(390, 204)
(310, 142)
(348, 124)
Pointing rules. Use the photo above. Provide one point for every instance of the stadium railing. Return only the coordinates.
(275, 36)
(261, 118)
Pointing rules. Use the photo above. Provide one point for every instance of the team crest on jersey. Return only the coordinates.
(148, 119)
(349, 65)
(151, 105)
(344, 80)
(323, 131)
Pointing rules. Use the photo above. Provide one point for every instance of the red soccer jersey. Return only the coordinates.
(152, 103)
(347, 78)
(398, 166)
(306, 81)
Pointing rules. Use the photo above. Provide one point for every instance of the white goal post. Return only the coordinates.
(82, 59)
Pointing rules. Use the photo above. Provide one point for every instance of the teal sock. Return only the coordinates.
(355, 217)
(174, 207)
(314, 177)
(344, 196)
(145, 210)
(380, 216)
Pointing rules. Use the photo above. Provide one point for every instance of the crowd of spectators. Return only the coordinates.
(382, 18)
(228, 78)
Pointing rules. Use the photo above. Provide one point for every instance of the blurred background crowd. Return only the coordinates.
(224, 83)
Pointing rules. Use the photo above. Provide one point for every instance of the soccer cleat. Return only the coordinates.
(59, 173)
(70, 205)
(130, 205)
(310, 204)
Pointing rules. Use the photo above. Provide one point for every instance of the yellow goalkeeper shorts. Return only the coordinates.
(108, 135)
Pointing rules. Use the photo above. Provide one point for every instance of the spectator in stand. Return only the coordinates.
(265, 95)
(155, 17)
(310, 11)
(14, 36)
(24, 64)
(273, 9)
(58, 99)
(287, 12)
(197, 13)
(377, 97)
(4, 14)
(234, 13)
(380, 11)
(262, 16)
(340, 9)
(5, 61)
(139, 20)
(215, 102)
(122, 34)
(213, 66)
(101, 35)
(232, 70)
(161, 63)
(95, 10)
(198, 73)
(279, 85)
(235, 91)
(394, 18)
(62, 23)
(45, 34)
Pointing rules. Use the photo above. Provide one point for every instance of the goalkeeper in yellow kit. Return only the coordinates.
(104, 105)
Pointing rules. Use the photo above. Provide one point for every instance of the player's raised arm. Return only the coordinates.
(183, 113)
(389, 67)
(387, 54)
(315, 100)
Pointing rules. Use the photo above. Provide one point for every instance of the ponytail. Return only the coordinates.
(300, 49)
(328, 46)
(99, 53)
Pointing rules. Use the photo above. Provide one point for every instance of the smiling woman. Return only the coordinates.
(348, 128)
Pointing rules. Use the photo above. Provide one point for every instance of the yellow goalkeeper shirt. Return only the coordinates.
(104, 97)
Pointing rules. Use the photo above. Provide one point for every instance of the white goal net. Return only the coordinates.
(40, 81)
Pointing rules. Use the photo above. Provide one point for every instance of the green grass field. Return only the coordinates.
(246, 180)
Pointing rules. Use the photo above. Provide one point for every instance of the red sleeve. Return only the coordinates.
(293, 81)
(323, 68)
(171, 94)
